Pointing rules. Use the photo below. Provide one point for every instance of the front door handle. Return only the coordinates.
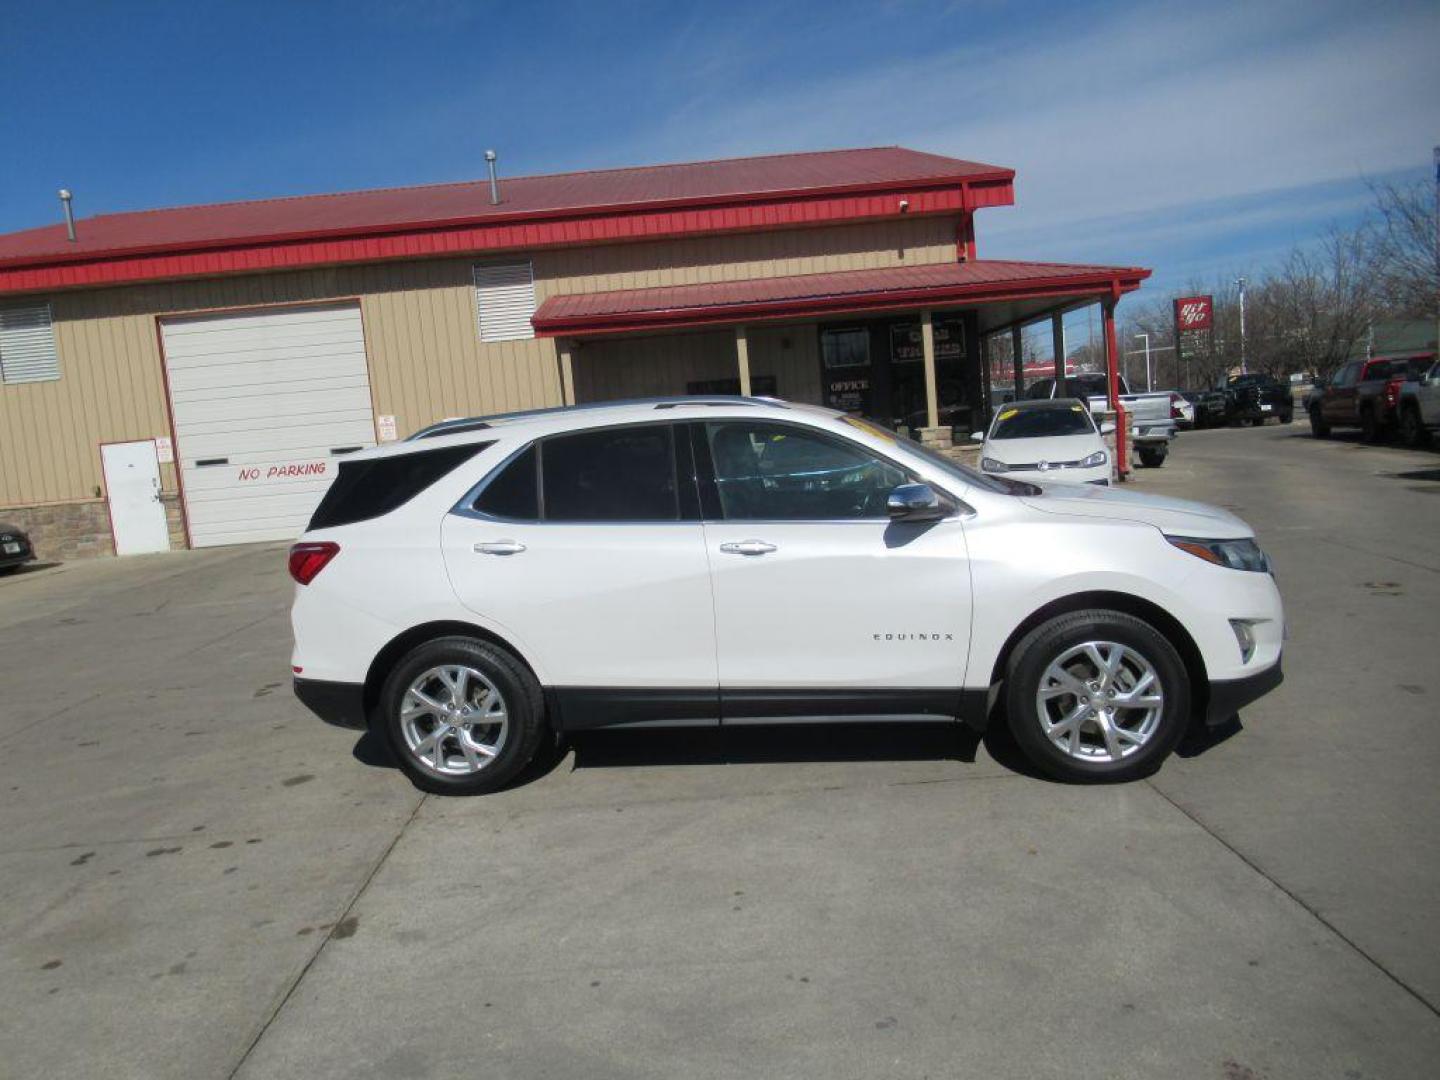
(500, 547)
(747, 547)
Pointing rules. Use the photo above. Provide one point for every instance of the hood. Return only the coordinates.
(1176, 517)
(1055, 448)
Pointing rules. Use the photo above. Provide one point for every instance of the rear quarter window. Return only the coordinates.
(372, 487)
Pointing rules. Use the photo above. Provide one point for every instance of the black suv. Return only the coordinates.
(1253, 399)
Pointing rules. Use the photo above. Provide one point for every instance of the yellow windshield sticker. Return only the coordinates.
(1008, 413)
(1077, 408)
(870, 427)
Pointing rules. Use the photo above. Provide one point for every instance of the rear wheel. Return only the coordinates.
(1318, 427)
(462, 716)
(1097, 695)
(1151, 457)
(1412, 428)
(1370, 426)
(1287, 416)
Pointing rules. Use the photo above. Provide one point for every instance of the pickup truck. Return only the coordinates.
(1151, 417)
(1365, 394)
(1420, 406)
(1253, 399)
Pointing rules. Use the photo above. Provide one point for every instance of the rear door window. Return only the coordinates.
(610, 474)
(514, 492)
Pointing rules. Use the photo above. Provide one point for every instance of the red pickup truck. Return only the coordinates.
(1365, 394)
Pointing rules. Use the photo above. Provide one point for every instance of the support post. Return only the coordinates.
(742, 359)
(1112, 374)
(1057, 337)
(932, 395)
(563, 348)
(1017, 356)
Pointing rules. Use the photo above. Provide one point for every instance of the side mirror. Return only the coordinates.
(977, 436)
(916, 502)
(1107, 428)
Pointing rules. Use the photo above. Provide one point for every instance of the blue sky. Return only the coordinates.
(1197, 139)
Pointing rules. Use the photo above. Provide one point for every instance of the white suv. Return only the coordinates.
(492, 583)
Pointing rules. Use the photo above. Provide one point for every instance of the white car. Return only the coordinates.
(1047, 440)
(472, 595)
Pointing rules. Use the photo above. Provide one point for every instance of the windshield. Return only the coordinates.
(1042, 423)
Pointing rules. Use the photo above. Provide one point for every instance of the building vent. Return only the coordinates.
(27, 345)
(505, 301)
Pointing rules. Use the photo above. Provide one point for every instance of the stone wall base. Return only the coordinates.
(60, 531)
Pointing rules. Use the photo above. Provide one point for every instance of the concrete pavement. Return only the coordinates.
(197, 879)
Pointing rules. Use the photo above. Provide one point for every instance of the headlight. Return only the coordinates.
(1099, 457)
(1236, 554)
(989, 464)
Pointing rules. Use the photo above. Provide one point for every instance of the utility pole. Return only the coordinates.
(1241, 283)
(1436, 154)
(1149, 375)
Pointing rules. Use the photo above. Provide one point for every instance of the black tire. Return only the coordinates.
(1050, 641)
(1370, 429)
(1318, 427)
(523, 702)
(1151, 459)
(1287, 416)
(1412, 429)
(4, 570)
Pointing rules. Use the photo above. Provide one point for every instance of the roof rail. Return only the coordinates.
(479, 423)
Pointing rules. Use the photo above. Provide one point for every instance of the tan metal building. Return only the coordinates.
(189, 377)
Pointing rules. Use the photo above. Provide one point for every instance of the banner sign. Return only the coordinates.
(907, 343)
(1194, 327)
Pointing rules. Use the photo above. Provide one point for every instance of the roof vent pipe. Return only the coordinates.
(494, 183)
(65, 198)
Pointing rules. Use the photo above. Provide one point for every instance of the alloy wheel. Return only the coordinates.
(454, 720)
(1100, 701)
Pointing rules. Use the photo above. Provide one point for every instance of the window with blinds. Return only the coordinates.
(505, 300)
(27, 345)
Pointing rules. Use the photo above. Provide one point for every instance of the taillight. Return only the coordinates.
(1175, 411)
(307, 560)
(1392, 391)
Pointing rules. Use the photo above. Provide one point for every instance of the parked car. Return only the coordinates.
(1182, 409)
(693, 561)
(1207, 407)
(1419, 406)
(15, 548)
(1150, 416)
(1365, 394)
(1048, 440)
(1254, 398)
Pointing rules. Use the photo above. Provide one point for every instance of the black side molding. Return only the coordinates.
(1229, 696)
(338, 703)
(577, 708)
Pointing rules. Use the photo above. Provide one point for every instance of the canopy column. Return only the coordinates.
(1057, 337)
(563, 350)
(742, 359)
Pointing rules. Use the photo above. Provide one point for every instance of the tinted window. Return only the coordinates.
(775, 472)
(1043, 423)
(514, 492)
(371, 487)
(613, 474)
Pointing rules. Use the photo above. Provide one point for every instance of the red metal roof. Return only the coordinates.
(801, 295)
(526, 198)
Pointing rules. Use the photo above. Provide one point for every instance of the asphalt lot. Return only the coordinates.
(197, 879)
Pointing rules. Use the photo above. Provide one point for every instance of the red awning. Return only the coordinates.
(805, 295)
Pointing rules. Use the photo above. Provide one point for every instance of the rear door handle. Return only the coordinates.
(747, 547)
(500, 547)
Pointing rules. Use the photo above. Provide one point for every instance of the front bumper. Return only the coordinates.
(1229, 696)
(338, 703)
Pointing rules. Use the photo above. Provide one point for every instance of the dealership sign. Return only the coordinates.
(1194, 327)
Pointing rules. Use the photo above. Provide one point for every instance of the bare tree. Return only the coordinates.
(1406, 269)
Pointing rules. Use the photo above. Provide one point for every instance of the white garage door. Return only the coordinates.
(265, 404)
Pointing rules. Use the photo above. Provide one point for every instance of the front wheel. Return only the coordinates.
(1318, 427)
(1150, 457)
(1096, 696)
(462, 716)
(1370, 429)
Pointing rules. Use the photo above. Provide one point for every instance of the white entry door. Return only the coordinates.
(265, 403)
(132, 482)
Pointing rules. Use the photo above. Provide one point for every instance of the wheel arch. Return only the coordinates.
(403, 644)
(1129, 604)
